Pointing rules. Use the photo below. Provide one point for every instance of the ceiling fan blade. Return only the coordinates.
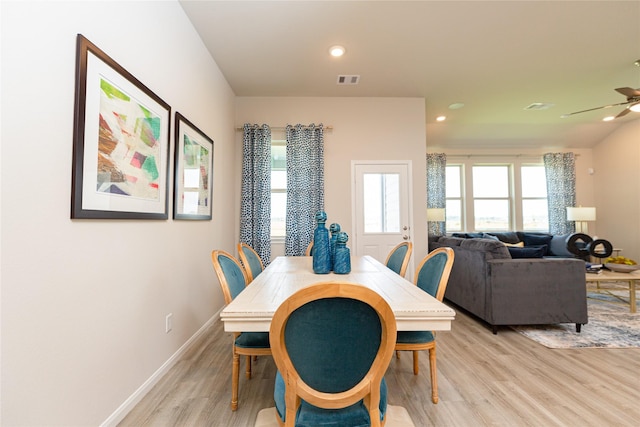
(593, 109)
(623, 113)
(628, 92)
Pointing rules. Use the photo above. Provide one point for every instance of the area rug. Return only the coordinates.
(610, 326)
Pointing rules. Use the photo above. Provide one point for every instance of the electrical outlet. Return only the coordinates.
(168, 325)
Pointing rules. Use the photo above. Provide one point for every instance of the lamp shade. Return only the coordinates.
(436, 214)
(581, 214)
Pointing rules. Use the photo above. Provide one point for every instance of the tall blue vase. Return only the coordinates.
(342, 264)
(321, 248)
(334, 229)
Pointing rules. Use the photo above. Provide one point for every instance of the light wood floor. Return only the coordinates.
(484, 380)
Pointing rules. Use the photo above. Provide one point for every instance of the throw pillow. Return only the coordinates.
(537, 239)
(489, 236)
(527, 251)
(558, 246)
(515, 245)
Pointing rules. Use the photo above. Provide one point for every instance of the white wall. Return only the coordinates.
(617, 188)
(84, 301)
(363, 129)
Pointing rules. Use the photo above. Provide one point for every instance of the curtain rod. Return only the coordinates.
(499, 155)
(239, 129)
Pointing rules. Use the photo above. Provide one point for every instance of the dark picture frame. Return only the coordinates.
(193, 172)
(121, 140)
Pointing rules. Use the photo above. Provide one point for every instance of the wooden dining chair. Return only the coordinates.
(432, 276)
(233, 280)
(250, 261)
(309, 250)
(398, 258)
(332, 343)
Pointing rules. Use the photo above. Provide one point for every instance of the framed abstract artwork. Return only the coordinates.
(120, 142)
(193, 175)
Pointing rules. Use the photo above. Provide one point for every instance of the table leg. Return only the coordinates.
(632, 295)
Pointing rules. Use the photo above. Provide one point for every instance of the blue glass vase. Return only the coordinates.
(342, 262)
(334, 229)
(321, 249)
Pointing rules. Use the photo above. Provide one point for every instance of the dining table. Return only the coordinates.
(253, 309)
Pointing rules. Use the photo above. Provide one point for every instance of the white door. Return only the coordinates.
(382, 207)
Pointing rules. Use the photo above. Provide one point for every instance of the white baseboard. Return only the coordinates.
(119, 414)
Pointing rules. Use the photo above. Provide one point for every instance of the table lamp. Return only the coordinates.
(435, 218)
(581, 215)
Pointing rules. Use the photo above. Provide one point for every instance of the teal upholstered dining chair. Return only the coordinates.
(250, 261)
(233, 280)
(309, 250)
(432, 276)
(332, 343)
(398, 258)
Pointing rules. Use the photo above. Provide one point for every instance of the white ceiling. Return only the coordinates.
(497, 57)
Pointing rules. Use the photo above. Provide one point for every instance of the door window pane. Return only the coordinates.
(381, 202)
(491, 215)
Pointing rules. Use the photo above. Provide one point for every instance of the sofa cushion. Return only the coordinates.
(493, 248)
(450, 241)
(536, 239)
(527, 251)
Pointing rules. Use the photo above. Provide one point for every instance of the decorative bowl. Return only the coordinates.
(622, 268)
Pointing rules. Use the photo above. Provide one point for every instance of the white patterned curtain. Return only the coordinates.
(561, 190)
(255, 208)
(436, 190)
(305, 185)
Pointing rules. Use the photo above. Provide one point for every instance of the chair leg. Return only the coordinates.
(248, 372)
(235, 379)
(416, 368)
(434, 379)
(397, 354)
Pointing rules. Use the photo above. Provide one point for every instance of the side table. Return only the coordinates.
(601, 279)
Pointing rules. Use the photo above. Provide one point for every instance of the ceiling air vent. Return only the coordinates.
(539, 106)
(348, 80)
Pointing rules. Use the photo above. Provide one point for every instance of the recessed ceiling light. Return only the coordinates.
(456, 106)
(608, 118)
(441, 118)
(337, 50)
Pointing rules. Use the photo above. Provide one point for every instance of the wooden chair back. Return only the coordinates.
(332, 343)
(398, 258)
(231, 275)
(250, 261)
(432, 275)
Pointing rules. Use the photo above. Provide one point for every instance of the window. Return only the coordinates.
(278, 188)
(535, 212)
(492, 196)
(454, 179)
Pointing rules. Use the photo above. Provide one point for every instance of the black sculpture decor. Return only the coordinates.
(584, 246)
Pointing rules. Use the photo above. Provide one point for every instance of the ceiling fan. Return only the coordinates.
(632, 103)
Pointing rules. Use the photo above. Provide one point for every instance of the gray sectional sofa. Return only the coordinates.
(486, 281)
